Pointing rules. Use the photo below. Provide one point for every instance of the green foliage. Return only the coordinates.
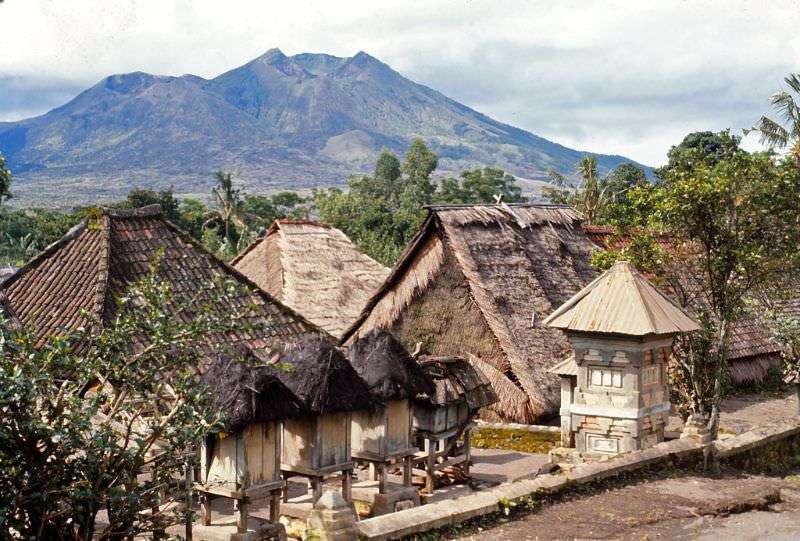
(623, 188)
(66, 452)
(784, 133)
(141, 197)
(5, 181)
(381, 213)
(611, 200)
(641, 250)
(480, 186)
(28, 231)
(740, 213)
(706, 147)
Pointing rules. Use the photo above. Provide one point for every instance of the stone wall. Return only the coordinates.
(759, 446)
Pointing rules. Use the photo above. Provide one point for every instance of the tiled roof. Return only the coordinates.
(93, 263)
(749, 342)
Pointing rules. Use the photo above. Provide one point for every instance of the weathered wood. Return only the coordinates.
(275, 506)
(347, 485)
(241, 519)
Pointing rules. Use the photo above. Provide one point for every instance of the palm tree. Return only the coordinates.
(228, 201)
(591, 200)
(773, 133)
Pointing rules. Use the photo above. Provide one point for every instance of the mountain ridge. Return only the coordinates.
(289, 122)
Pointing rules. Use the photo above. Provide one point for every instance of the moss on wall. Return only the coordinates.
(515, 440)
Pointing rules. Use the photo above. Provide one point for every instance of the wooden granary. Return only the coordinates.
(243, 463)
(317, 444)
(383, 436)
(621, 329)
(443, 421)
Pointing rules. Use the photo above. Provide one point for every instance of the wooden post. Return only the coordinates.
(205, 509)
(241, 523)
(316, 489)
(275, 506)
(467, 449)
(431, 465)
(347, 485)
(382, 478)
(408, 465)
(285, 476)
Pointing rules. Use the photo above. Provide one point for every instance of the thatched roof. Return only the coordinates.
(387, 367)
(322, 378)
(456, 381)
(622, 301)
(93, 264)
(518, 263)
(247, 390)
(314, 269)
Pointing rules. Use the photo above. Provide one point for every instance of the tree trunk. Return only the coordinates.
(722, 333)
(797, 390)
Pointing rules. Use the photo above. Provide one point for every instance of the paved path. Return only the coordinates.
(733, 507)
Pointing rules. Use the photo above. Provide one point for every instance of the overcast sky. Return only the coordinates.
(628, 78)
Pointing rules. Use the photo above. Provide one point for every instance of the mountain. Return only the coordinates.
(288, 122)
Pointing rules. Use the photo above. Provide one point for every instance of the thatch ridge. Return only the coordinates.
(248, 391)
(323, 379)
(387, 367)
(314, 269)
(520, 262)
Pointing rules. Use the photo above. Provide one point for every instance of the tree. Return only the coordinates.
(419, 164)
(84, 413)
(5, 181)
(705, 146)
(480, 186)
(619, 188)
(784, 133)
(228, 201)
(142, 197)
(739, 215)
(591, 199)
(381, 213)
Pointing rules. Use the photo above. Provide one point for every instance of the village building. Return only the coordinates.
(243, 462)
(443, 420)
(76, 280)
(383, 437)
(751, 351)
(477, 282)
(616, 389)
(317, 444)
(314, 269)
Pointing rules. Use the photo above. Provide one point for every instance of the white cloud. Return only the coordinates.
(618, 77)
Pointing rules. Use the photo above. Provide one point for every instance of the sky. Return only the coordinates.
(616, 77)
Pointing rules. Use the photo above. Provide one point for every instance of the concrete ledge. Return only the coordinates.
(757, 437)
(443, 513)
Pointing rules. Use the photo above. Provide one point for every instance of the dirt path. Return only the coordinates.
(741, 412)
(731, 507)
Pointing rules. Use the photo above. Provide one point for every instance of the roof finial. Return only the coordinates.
(498, 198)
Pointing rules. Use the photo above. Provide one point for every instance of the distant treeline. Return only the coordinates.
(379, 212)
